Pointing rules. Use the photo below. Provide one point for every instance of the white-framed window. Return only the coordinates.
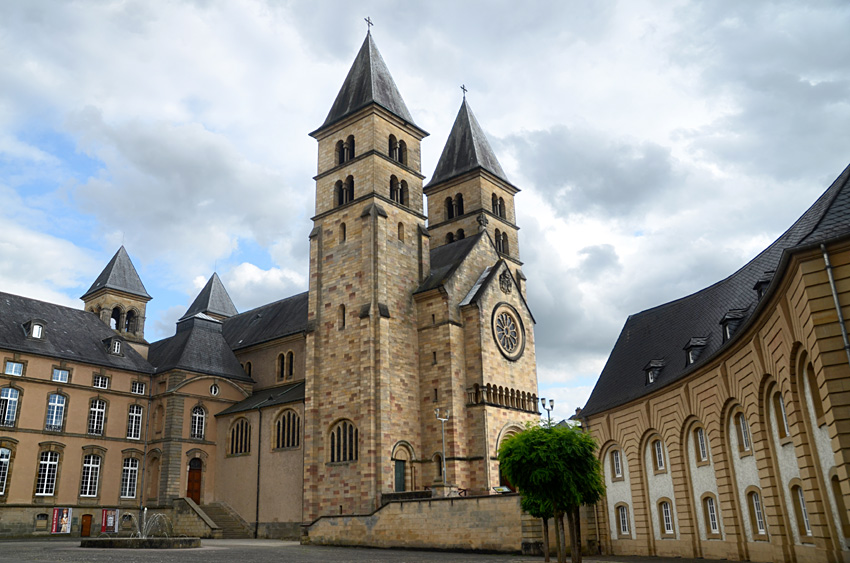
(199, 420)
(97, 414)
(623, 513)
(91, 474)
(803, 512)
(137, 388)
(100, 382)
(615, 462)
(702, 448)
(48, 464)
(659, 454)
(5, 457)
(8, 406)
(784, 430)
(758, 515)
(116, 346)
(134, 422)
(60, 375)
(55, 413)
(711, 514)
(129, 477)
(14, 368)
(745, 432)
(37, 330)
(667, 517)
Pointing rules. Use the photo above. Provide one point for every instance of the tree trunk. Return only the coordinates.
(563, 537)
(546, 540)
(572, 529)
(577, 525)
(558, 531)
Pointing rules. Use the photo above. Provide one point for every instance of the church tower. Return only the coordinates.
(368, 253)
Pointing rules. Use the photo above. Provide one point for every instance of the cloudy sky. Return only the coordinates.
(658, 145)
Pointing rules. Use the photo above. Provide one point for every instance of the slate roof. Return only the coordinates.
(446, 259)
(275, 320)
(198, 346)
(119, 274)
(214, 299)
(268, 398)
(69, 334)
(467, 149)
(661, 333)
(369, 81)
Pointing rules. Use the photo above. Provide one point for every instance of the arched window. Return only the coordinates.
(395, 192)
(90, 475)
(392, 149)
(498, 240)
(342, 233)
(800, 511)
(450, 208)
(290, 365)
(248, 368)
(5, 460)
(623, 526)
(97, 415)
(339, 193)
(55, 413)
(115, 319)
(814, 391)
(700, 444)
(460, 234)
(401, 231)
(341, 315)
(781, 417)
(757, 522)
(349, 148)
(665, 517)
(349, 189)
(505, 245)
(130, 322)
(459, 205)
(743, 429)
(402, 152)
(450, 238)
(494, 201)
(287, 430)
(199, 420)
(438, 461)
(501, 208)
(343, 440)
(710, 516)
(134, 422)
(403, 197)
(340, 152)
(657, 450)
(616, 465)
(281, 367)
(240, 437)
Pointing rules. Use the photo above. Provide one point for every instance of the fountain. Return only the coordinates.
(153, 532)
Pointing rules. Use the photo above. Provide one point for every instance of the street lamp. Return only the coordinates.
(548, 409)
(447, 413)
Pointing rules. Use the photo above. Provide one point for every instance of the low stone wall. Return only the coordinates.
(487, 523)
(141, 543)
(187, 519)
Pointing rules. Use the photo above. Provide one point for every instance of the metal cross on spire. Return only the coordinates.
(463, 87)
(369, 24)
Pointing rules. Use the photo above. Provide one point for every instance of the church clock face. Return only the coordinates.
(508, 331)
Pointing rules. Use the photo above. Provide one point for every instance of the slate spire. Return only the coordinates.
(213, 300)
(369, 81)
(466, 149)
(120, 275)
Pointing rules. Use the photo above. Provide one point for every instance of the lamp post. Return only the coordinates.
(447, 413)
(548, 409)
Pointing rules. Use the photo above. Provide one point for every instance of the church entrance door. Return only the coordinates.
(193, 489)
(399, 476)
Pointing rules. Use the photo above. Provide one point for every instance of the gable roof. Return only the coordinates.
(275, 320)
(69, 334)
(214, 299)
(486, 278)
(119, 274)
(664, 331)
(466, 149)
(368, 81)
(445, 260)
(273, 396)
(198, 346)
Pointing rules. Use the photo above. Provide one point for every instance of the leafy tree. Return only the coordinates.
(555, 466)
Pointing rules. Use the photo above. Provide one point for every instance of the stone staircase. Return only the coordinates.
(232, 527)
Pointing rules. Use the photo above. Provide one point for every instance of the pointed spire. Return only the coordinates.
(466, 149)
(213, 300)
(121, 275)
(369, 81)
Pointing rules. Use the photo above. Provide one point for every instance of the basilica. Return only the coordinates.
(322, 403)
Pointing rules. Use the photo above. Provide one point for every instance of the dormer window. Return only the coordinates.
(653, 371)
(114, 346)
(694, 348)
(731, 321)
(35, 329)
(762, 283)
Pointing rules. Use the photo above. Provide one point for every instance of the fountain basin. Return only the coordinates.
(141, 543)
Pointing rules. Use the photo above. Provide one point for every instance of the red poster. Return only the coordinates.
(109, 520)
(61, 521)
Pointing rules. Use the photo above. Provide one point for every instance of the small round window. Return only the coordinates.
(508, 331)
(214, 389)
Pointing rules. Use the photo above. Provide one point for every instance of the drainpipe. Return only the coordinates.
(837, 303)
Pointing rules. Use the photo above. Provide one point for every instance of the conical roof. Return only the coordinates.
(119, 274)
(212, 300)
(369, 81)
(466, 150)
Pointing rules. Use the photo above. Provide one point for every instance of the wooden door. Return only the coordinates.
(193, 490)
(85, 531)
